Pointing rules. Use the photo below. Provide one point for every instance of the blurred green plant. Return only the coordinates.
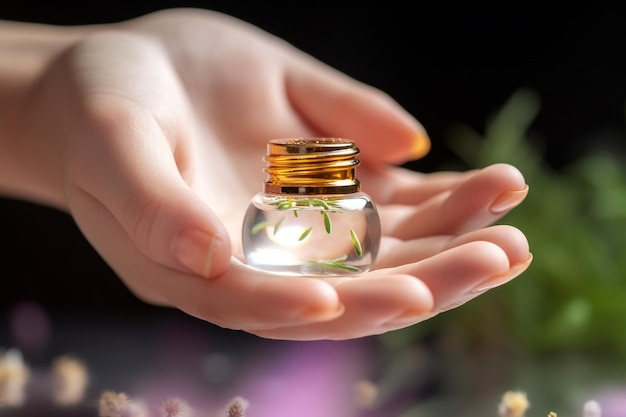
(573, 297)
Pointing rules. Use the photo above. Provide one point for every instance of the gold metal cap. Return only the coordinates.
(311, 166)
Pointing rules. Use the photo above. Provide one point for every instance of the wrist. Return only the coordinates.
(27, 167)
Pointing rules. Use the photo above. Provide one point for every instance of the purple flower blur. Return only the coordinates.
(308, 379)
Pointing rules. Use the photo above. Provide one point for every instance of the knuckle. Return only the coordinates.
(141, 213)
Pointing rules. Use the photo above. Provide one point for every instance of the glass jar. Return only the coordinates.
(311, 217)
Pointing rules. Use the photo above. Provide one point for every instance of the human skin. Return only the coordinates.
(150, 133)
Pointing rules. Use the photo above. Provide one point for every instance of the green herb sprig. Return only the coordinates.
(337, 263)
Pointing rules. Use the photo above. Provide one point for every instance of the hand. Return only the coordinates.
(154, 131)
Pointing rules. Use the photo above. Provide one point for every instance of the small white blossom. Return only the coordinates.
(592, 409)
(513, 404)
(13, 378)
(70, 379)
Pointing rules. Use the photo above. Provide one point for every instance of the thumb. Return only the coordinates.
(128, 169)
(338, 105)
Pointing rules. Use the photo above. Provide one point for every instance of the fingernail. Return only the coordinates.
(507, 200)
(318, 315)
(498, 280)
(194, 250)
(420, 146)
(409, 317)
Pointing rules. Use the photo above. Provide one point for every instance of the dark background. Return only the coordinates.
(444, 68)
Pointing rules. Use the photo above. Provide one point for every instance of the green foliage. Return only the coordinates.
(573, 297)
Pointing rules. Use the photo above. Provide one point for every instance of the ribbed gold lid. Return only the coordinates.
(311, 166)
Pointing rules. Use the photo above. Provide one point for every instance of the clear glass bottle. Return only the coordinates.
(312, 217)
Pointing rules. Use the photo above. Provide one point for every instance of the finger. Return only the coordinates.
(248, 299)
(129, 151)
(484, 197)
(461, 273)
(337, 105)
(390, 299)
(129, 167)
(372, 304)
(394, 252)
(394, 185)
(241, 298)
(508, 238)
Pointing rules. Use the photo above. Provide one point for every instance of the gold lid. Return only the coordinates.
(311, 166)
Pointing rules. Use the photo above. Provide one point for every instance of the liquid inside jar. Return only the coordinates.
(312, 234)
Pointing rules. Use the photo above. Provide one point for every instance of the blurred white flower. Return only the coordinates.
(513, 404)
(70, 380)
(13, 378)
